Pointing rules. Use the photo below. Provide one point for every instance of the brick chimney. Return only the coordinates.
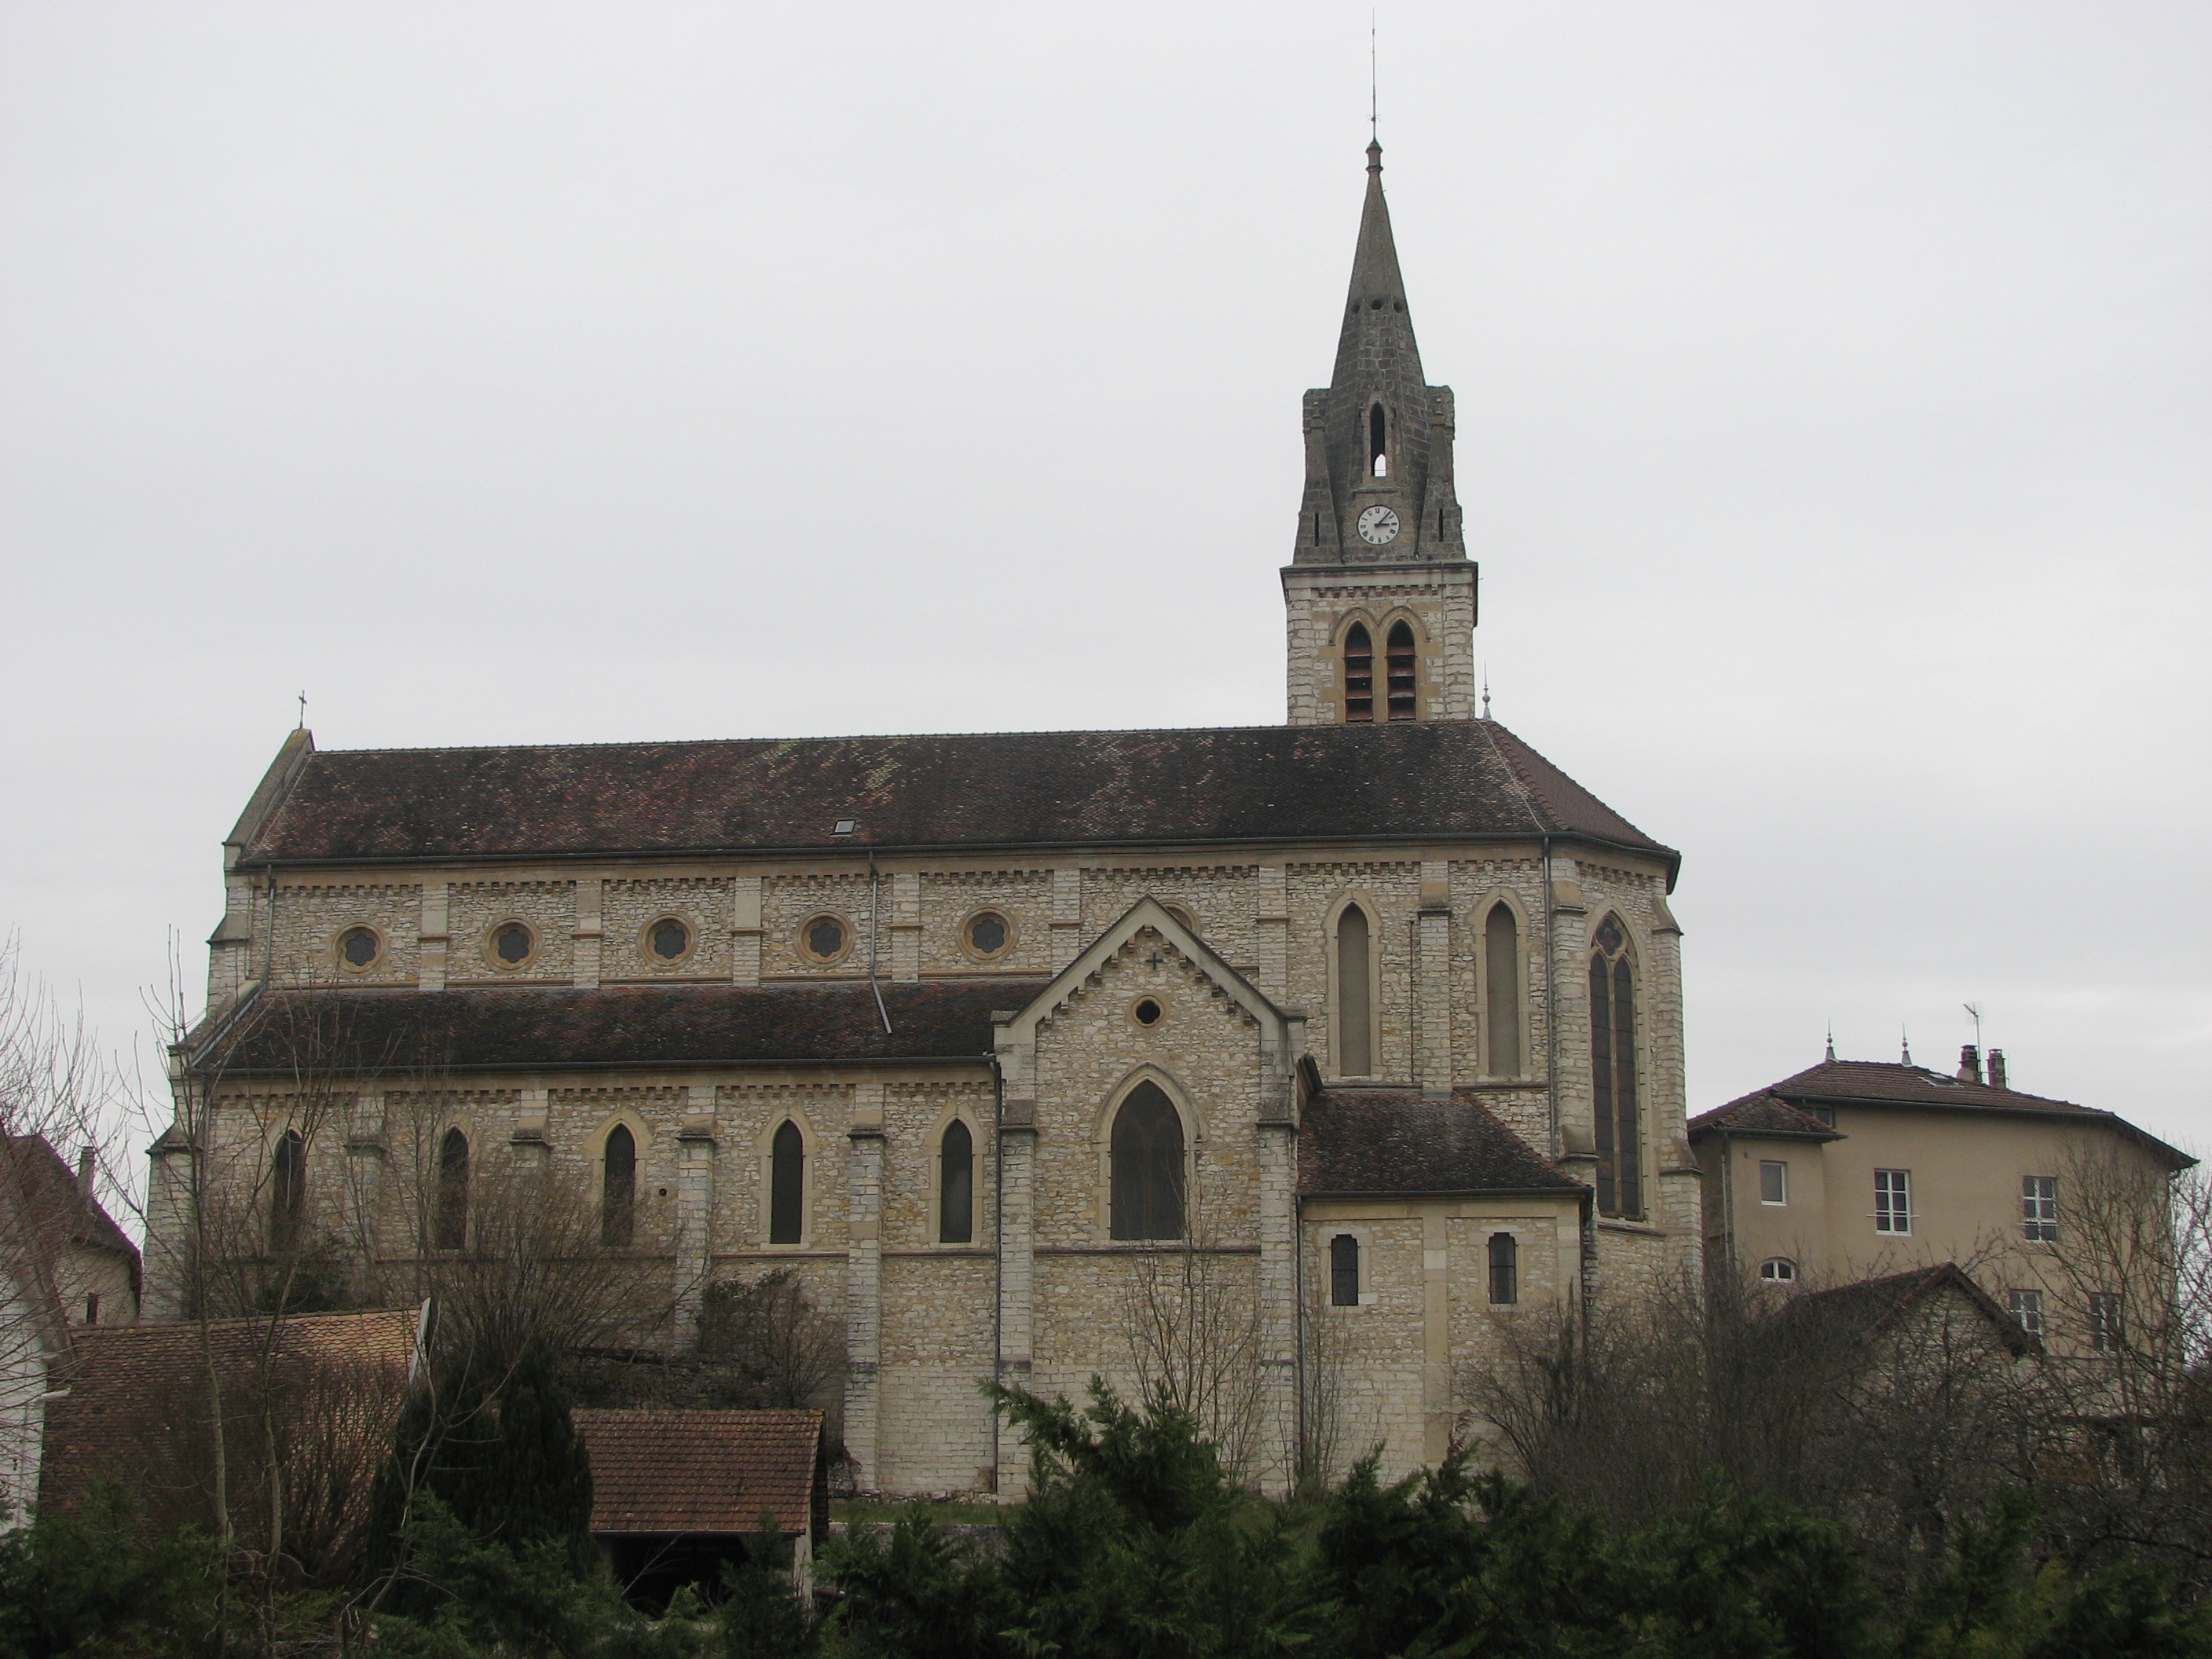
(85, 1161)
(1970, 1063)
(1998, 1069)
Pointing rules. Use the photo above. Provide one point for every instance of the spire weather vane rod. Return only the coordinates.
(1373, 101)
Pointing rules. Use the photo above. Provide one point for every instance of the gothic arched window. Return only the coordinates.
(1400, 663)
(956, 1185)
(1359, 675)
(1146, 1171)
(1378, 447)
(1504, 1268)
(287, 1192)
(1612, 1074)
(1355, 1012)
(1343, 1271)
(618, 1187)
(787, 1191)
(1501, 962)
(449, 1224)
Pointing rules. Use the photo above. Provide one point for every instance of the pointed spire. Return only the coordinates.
(1375, 274)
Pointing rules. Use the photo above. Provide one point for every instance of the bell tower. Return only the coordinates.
(1380, 591)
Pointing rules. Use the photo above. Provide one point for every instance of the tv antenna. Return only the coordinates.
(1974, 1013)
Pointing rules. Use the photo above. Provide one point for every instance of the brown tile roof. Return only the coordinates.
(1762, 1114)
(136, 1400)
(48, 1186)
(623, 1025)
(1864, 1310)
(1415, 781)
(1355, 1141)
(1877, 1082)
(693, 1472)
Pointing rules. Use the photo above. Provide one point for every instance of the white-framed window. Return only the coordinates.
(1893, 1202)
(2038, 1206)
(1778, 1270)
(2028, 1310)
(1773, 1182)
(2104, 1321)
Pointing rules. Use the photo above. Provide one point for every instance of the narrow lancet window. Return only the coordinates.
(1400, 664)
(1613, 1075)
(787, 1194)
(1147, 1164)
(956, 1185)
(287, 1192)
(1343, 1271)
(1355, 1033)
(1359, 675)
(1379, 449)
(1504, 1268)
(1501, 961)
(618, 1187)
(449, 1227)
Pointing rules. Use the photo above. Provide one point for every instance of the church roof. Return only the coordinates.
(562, 1028)
(1411, 781)
(1354, 1142)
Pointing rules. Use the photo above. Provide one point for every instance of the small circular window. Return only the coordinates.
(668, 939)
(1778, 1270)
(359, 947)
(989, 934)
(513, 943)
(825, 938)
(1147, 1012)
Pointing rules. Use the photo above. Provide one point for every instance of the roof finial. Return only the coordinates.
(1374, 100)
(303, 711)
(1904, 1042)
(1485, 690)
(1831, 1042)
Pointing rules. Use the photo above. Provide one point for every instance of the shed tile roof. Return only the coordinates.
(625, 1025)
(49, 1187)
(1396, 1140)
(1409, 781)
(1867, 1309)
(1762, 1114)
(696, 1471)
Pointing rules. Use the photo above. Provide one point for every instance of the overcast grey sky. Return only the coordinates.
(1835, 424)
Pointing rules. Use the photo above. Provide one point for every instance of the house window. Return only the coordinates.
(2105, 1321)
(956, 1185)
(1778, 1270)
(1359, 675)
(449, 1226)
(2038, 1206)
(787, 1185)
(1355, 1024)
(2028, 1310)
(1343, 1271)
(1501, 955)
(1400, 663)
(1504, 1268)
(1613, 1075)
(92, 1308)
(287, 1192)
(1773, 1182)
(1893, 1202)
(1146, 1167)
(618, 1187)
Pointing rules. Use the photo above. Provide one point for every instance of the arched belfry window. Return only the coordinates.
(1612, 1074)
(1401, 665)
(1355, 1003)
(787, 1191)
(1147, 1164)
(618, 1187)
(1358, 674)
(287, 1192)
(1501, 962)
(1379, 446)
(956, 1185)
(449, 1221)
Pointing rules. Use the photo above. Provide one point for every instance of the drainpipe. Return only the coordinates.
(997, 1248)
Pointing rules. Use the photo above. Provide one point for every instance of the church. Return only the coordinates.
(1300, 1064)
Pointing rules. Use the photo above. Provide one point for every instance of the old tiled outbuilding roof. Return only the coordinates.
(670, 1472)
(622, 1025)
(1762, 1114)
(1407, 781)
(1358, 1141)
(48, 1188)
(1862, 1311)
(135, 1404)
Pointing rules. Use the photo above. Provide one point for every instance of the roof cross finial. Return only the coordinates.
(303, 711)
(1485, 690)
(1374, 100)
(1831, 1042)
(1904, 1042)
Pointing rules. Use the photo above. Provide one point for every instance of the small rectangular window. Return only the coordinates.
(1893, 1202)
(2105, 1321)
(2038, 1206)
(1343, 1271)
(92, 1308)
(2028, 1309)
(1773, 1182)
(1504, 1268)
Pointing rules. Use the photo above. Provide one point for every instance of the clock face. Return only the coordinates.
(1378, 525)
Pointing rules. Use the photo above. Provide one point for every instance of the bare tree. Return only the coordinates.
(1190, 1316)
(779, 1350)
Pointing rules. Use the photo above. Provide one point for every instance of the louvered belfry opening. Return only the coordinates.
(1401, 665)
(1378, 447)
(1358, 676)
